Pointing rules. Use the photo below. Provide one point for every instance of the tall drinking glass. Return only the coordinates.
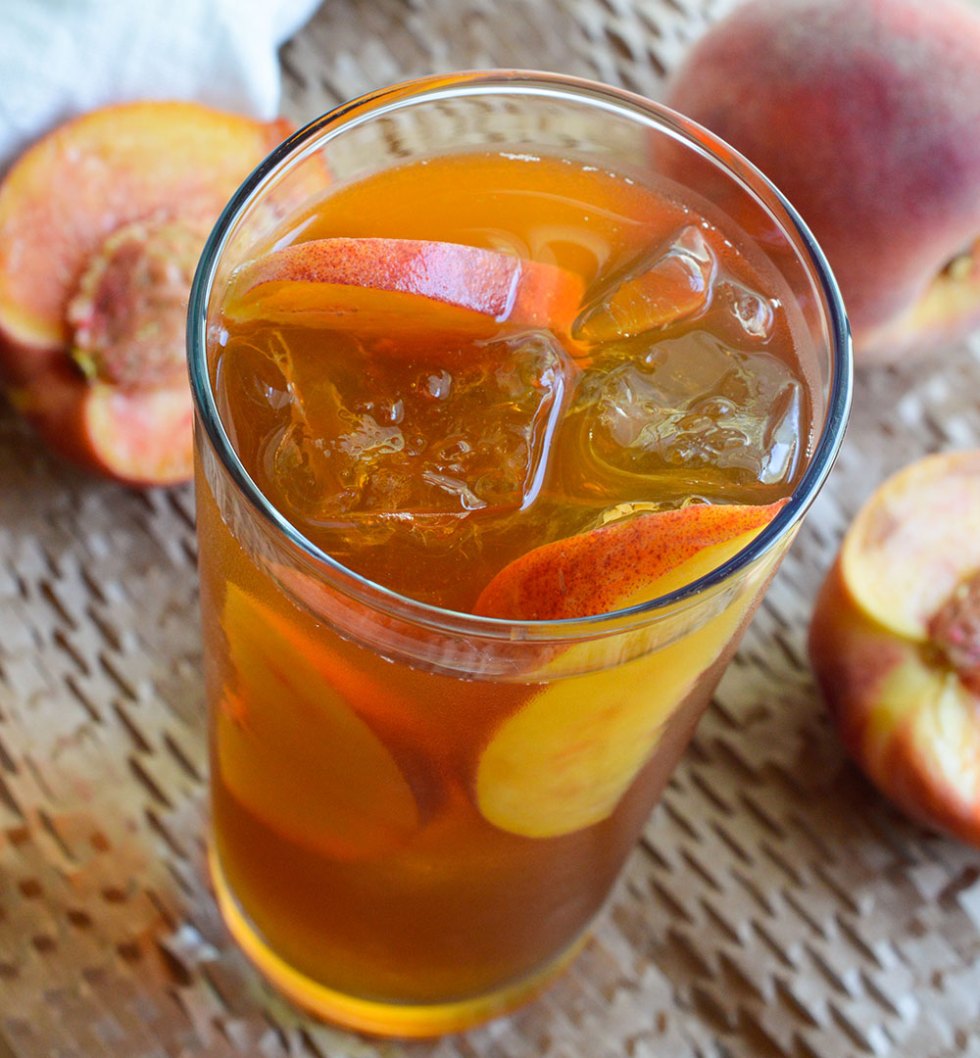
(418, 810)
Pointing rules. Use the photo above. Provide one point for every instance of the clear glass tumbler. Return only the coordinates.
(354, 858)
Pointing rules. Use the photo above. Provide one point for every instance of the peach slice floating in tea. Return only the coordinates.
(402, 287)
(564, 760)
(292, 749)
(101, 225)
(895, 641)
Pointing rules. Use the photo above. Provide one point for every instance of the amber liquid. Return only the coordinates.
(354, 858)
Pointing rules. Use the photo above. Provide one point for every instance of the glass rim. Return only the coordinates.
(540, 84)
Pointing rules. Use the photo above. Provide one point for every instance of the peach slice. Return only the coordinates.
(566, 758)
(292, 749)
(405, 286)
(621, 564)
(101, 225)
(895, 641)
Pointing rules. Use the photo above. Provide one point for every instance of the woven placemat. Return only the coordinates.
(776, 907)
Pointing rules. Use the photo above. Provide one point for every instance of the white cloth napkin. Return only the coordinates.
(61, 57)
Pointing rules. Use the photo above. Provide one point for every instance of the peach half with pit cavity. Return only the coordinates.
(101, 225)
(895, 641)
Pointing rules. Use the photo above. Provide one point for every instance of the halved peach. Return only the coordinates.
(404, 286)
(292, 749)
(895, 641)
(565, 759)
(101, 224)
(134, 435)
(914, 540)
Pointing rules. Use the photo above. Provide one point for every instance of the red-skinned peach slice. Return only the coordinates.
(404, 286)
(895, 641)
(615, 566)
(565, 759)
(101, 223)
(292, 749)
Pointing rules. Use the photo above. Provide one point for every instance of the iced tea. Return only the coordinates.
(457, 376)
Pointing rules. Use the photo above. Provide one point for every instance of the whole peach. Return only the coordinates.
(866, 115)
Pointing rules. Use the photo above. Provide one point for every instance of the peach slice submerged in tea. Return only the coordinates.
(622, 564)
(292, 749)
(895, 641)
(101, 225)
(397, 287)
(564, 760)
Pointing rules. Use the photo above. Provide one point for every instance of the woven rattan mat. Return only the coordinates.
(777, 907)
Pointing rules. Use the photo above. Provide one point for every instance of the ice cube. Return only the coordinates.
(673, 283)
(692, 411)
(253, 391)
(749, 314)
(382, 438)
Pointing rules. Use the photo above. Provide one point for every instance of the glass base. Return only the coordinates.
(369, 1016)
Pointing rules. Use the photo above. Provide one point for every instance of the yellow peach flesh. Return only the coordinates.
(905, 707)
(292, 749)
(566, 758)
(913, 543)
(947, 728)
